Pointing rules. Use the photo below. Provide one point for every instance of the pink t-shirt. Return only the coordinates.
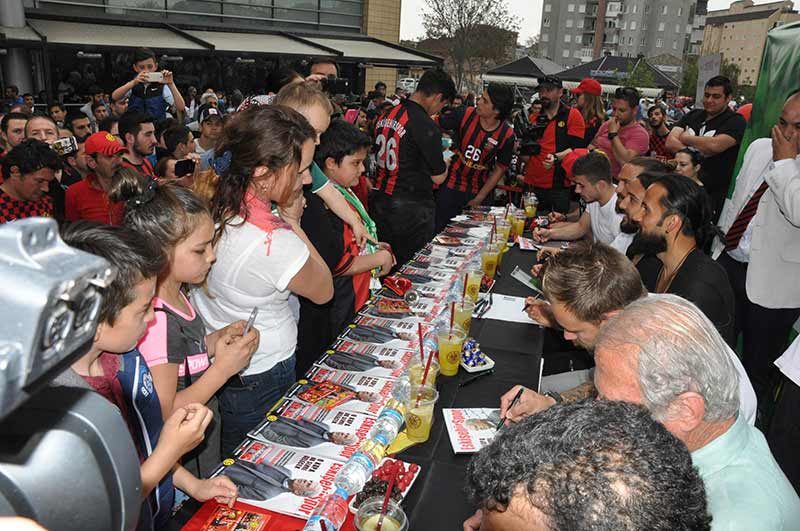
(633, 137)
(175, 337)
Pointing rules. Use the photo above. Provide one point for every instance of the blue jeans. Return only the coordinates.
(244, 403)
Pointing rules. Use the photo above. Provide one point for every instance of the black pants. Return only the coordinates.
(553, 199)
(784, 432)
(407, 224)
(765, 331)
(450, 203)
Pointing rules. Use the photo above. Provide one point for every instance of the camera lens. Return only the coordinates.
(87, 309)
(57, 325)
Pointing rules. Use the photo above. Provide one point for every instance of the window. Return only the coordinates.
(660, 26)
(545, 37)
(547, 8)
(576, 54)
(641, 42)
(674, 45)
(635, 8)
(578, 39)
(569, 22)
(568, 38)
(624, 26)
(580, 23)
(633, 25)
(630, 41)
(571, 8)
(680, 11)
(659, 43)
(565, 53)
(582, 8)
(665, 10)
(677, 28)
(546, 22)
(644, 25)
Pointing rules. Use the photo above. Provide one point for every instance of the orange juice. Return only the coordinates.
(416, 370)
(463, 314)
(474, 278)
(451, 341)
(489, 259)
(519, 224)
(419, 412)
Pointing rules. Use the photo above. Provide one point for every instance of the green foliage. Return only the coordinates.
(640, 76)
(689, 82)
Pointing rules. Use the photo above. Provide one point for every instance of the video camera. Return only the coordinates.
(529, 133)
(67, 459)
(335, 85)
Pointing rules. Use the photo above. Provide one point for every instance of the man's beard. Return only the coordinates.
(141, 153)
(548, 104)
(628, 226)
(651, 244)
(657, 125)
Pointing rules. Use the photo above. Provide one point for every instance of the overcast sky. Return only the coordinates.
(528, 11)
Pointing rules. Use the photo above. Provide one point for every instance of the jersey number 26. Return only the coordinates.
(387, 152)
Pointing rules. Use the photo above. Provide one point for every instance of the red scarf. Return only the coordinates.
(259, 213)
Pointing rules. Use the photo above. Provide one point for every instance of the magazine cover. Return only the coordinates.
(380, 331)
(436, 276)
(383, 307)
(471, 429)
(361, 363)
(329, 389)
(394, 359)
(336, 434)
(278, 479)
(223, 518)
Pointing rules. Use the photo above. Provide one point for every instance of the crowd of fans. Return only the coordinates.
(297, 201)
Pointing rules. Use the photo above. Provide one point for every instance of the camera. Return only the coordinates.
(529, 133)
(154, 77)
(65, 147)
(57, 436)
(335, 85)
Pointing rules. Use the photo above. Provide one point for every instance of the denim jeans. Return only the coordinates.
(243, 404)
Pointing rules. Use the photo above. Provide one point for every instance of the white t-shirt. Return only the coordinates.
(622, 242)
(252, 271)
(605, 220)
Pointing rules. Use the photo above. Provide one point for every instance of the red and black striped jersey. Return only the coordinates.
(408, 151)
(476, 149)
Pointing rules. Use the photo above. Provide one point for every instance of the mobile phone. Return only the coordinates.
(155, 77)
(65, 146)
(250, 321)
(184, 167)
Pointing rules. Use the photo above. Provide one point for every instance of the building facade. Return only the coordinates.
(579, 31)
(739, 33)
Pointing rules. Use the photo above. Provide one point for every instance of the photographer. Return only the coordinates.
(484, 146)
(557, 130)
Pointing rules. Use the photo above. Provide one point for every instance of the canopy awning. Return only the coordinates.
(23, 34)
(610, 89)
(283, 44)
(375, 52)
(519, 81)
(110, 35)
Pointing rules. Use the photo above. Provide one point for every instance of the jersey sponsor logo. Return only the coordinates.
(147, 384)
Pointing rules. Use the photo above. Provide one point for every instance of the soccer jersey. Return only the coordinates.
(11, 209)
(145, 168)
(477, 150)
(408, 147)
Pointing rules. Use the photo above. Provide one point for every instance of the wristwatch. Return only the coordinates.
(555, 396)
(612, 136)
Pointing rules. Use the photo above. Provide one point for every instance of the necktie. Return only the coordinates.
(736, 231)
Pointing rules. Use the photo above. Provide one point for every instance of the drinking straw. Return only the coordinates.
(424, 378)
(421, 345)
(464, 291)
(452, 315)
(386, 497)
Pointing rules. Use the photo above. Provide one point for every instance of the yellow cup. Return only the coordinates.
(531, 205)
(451, 341)
(463, 311)
(489, 258)
(504, 229)
(474, 277)
(519, 224)
(419, 412)
(417, 369)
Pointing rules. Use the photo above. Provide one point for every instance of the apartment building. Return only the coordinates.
(579, 31)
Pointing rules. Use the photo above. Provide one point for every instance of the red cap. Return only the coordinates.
(569, 160)
(588, 86)
(103, 142)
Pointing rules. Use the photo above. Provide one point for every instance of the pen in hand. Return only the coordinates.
(513, 403)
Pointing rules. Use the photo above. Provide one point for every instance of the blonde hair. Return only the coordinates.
(302, 96)
(592, 107)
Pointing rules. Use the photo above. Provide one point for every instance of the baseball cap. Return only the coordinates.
(588, 86)
(208, 113)
(552, 81)
(103, 142)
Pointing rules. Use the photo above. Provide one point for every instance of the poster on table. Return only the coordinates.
(331, 389)
(471, 429)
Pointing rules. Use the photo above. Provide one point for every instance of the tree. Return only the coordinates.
(460, 23)
(532, 45)
(731, 71)
(639, 75)
(689, 82)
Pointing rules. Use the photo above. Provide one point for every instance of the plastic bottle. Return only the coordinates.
(332, 511)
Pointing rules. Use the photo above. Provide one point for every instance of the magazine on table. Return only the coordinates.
(394, 360)
(223, 518)
(279, 479)
(394, 333)
(332, 389)
(471, 429)
(335, 433)
(354, 362)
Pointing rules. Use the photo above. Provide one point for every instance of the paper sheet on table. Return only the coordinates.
(508, 308)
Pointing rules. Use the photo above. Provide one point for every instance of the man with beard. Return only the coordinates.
(674, 228)
(658, 132)
(563, 132)
(88, 199)
(622, 138)
(716, 132)
(138, 132)
(630, 184)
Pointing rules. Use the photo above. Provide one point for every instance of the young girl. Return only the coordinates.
(176, 346)
(262, 256)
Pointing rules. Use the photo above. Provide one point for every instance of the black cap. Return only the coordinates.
(209, 113)
(553, 81)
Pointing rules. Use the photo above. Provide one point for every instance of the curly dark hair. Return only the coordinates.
(267, 135)
(30, 156)
(595, 465)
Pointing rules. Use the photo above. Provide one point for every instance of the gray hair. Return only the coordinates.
(680, 350)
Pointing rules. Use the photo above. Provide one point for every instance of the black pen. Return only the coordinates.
(513, 403)
(476, 377)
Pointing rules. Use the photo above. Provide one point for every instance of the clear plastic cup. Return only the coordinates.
(490, 255)
(519, 223)
(369, 512)
(416, 370)
(463, 313)
(531, 205)
(474, 277)
(504, 229)
(419, 412)
(451, 342)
